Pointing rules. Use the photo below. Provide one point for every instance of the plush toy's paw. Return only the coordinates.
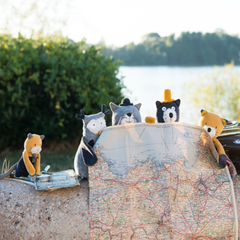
(222, 161)
(88, 155)
(149, 119)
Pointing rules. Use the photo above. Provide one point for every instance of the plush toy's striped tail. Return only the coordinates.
(6, 174)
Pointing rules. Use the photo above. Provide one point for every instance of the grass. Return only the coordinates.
(58, 160)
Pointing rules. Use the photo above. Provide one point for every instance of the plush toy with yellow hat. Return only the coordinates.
(167, 110)
(214, 124)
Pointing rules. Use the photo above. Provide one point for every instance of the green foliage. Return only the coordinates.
(189, 49)
(218, 93)
(45, 82)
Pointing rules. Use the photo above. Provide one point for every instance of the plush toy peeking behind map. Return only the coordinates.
(29, 163)
(214, 124)
(93, 126)
(125, 113)
(167, 110)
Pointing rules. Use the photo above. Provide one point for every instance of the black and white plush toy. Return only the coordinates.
(125, 113)
(93, 126)
(168, 110)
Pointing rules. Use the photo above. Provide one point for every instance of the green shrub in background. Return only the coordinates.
(45, 82)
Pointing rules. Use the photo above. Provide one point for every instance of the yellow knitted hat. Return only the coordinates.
(167, 96)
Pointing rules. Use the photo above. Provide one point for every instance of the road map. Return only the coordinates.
(159, 181)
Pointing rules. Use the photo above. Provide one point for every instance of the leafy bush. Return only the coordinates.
(45, 82)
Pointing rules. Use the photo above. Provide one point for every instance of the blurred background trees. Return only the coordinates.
(189, 49)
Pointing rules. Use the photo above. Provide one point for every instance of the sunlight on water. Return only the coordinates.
(147, 84)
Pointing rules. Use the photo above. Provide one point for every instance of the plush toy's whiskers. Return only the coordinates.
(127, 118)
(35, 150)
(170, 115)
(211, 131)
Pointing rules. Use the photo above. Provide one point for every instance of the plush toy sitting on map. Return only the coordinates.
(92, 128)
(214, 124)
(125, 113)
(29, 163)
(167, 110)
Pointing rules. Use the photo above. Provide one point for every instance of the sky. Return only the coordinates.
(119, 22)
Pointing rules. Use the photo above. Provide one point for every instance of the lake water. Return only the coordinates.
(147, 84)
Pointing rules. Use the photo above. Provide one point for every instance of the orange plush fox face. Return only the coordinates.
(33, 143)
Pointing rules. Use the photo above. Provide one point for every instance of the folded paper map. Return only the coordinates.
(159, 181)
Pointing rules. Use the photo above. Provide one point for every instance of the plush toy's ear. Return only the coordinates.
(42, 137)
(104, 108)
(203, 112)
(81, 115)
(113, 106)
(224, 121)
(138, 106)
(178, 101)
(107, 112)
(29, 136)
(158, 103)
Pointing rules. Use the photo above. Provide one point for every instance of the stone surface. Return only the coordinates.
(29, 214)
(61, 214)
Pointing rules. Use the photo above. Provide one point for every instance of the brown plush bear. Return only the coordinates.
(214, 124)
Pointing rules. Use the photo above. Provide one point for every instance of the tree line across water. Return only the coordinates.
(189, 49)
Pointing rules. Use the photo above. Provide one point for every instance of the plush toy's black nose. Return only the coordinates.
(209, 129)
(129, 114)
(170, 115)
